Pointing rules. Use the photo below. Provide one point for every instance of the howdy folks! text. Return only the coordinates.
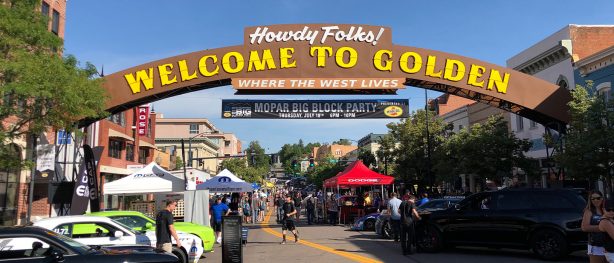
(356, 34)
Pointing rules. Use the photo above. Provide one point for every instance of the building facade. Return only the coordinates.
(122, 150)
(336, 151)
(201, 140)
(552, 59)
(14, 182)
(598, 68)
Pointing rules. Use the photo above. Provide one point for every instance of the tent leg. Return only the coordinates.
(338, 207)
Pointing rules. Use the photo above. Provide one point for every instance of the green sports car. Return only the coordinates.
(139, 221)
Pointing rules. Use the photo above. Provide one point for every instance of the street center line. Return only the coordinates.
(351, 256)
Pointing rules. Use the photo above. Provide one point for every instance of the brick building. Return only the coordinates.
(14, 182)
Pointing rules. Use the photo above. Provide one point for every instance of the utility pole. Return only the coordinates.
(428, 141)
(31, 186)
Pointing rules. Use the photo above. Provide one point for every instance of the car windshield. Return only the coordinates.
(132, 221)
(128, 228)
(75, 245)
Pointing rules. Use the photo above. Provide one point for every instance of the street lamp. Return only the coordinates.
(190, 143)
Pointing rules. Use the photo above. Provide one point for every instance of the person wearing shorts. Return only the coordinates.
(288, 220)
(217, 211)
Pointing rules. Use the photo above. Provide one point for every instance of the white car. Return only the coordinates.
(103, 231)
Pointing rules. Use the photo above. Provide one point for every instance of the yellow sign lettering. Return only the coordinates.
(321, 53)
(377, 60)
(474, 73)
(340, 54)
(256, 63)
(240, 63)
(430, 67)
(495, 80)
(202, 66)
(285, 55)
(404, 62)
(454, 66)
(141, 76)
(185, 74)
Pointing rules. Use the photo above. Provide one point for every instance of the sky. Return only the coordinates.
(118, 34)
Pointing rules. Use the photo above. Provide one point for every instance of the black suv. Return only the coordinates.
(544, 220)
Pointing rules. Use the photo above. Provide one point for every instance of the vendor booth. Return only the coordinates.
(355, 175)
(225, 182)
(153, 179)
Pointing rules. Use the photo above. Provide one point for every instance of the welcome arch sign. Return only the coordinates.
(335, 59)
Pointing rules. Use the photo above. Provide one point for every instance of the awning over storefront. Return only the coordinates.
(116, 134)
(357, 174)
(114, 170)
(146, 144)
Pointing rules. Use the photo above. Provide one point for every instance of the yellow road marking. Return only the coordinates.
(348, 255)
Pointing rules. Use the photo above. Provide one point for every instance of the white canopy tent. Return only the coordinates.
(151, 179)
(225, 182)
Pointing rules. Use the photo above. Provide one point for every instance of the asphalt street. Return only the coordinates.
(337, 244)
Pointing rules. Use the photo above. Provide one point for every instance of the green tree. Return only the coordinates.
(295, 152)
(256, 155)
(239, 166)
(589, 142)
(488, 150)
(343, 142)
(407, 143)
(41, 90)
(178, 162)
(367, 157)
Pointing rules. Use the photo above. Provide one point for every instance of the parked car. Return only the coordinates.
(547, 221)
(382, 225)
(103, 231)
(366, 223)
(39, 245)
(439, 204)
(139, 221)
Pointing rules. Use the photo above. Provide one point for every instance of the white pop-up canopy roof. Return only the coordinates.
(225, 182)
(151, 179)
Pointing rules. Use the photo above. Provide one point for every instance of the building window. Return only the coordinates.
(338, 152)
(45, 9)
(193, 128)
(9, 180)
(115, 149)
(118, 118)
(605, 91)
(460, 127)
(63, 137)
(227, 143)
(143, 154)
(519, 123)
(130, 152)
(55, 22)
(533, 125)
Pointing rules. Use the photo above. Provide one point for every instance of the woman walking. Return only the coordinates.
(593, 213)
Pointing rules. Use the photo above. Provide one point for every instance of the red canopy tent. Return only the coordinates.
(357, 174)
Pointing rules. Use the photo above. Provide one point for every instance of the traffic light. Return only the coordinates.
(294, 163)
(311, 162)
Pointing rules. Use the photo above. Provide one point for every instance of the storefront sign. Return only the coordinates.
(314, 109)
(142, 119)
(334, 59)
(45, 162)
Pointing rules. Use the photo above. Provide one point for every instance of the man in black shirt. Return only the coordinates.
(288, 221)
(165, 228)
(409, 214)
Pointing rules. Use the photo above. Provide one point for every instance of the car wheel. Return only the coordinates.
(549, 244)
(429, 238)
(387, 230)
(180, 254)
(369, 225)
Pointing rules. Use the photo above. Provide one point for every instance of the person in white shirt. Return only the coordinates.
(395, 217)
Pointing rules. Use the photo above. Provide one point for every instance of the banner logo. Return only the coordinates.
(393, 111)
(224, 179)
